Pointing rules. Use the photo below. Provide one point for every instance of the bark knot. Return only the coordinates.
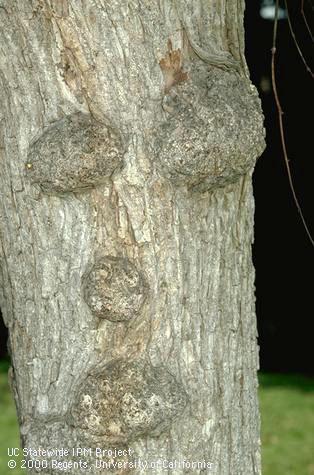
(127, 400)
(114, 289)
(213, 131)
(74, 153)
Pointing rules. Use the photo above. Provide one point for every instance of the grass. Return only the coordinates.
(9, 436)
(287, 408)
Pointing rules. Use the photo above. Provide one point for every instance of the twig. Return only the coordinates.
(282, 134)
(305, 20)
(296, 43)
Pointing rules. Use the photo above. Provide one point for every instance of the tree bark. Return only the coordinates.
(129, 132)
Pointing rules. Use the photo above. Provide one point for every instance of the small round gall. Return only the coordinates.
(114, 289)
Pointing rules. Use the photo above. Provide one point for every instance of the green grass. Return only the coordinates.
(287, 408)
(9, 435)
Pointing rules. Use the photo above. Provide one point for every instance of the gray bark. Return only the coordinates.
(129, 132)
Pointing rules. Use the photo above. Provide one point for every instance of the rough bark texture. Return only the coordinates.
(129, 131)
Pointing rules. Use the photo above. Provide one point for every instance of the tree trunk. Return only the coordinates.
(129, 131)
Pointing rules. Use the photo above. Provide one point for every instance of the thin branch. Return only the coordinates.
(305, 20)
(282, 134)
(296, 43)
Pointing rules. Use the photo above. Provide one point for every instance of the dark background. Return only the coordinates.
(283, 255)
